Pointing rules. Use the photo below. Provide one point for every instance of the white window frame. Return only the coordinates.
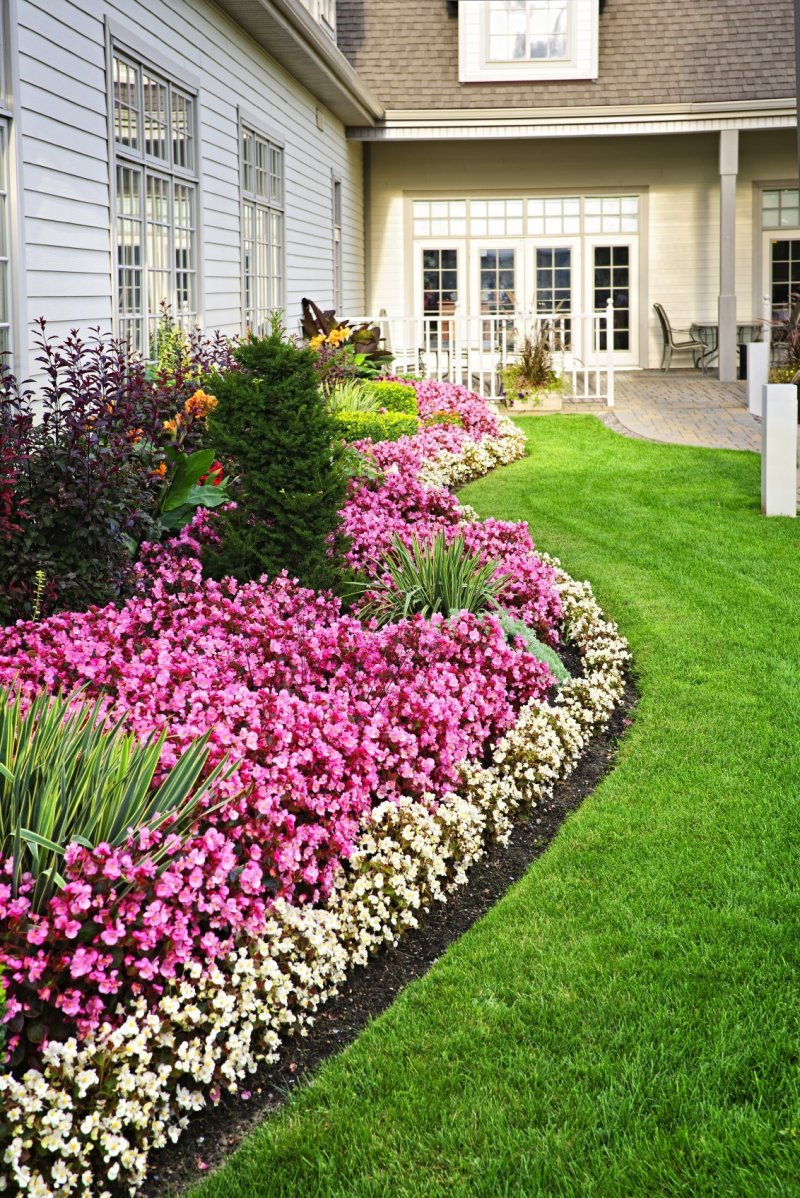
(475, 65)
(181, 181)
(271, 208)
(12, 300)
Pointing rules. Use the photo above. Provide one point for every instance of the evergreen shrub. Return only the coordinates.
(271, 420)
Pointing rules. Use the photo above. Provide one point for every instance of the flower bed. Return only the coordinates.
(373, 766)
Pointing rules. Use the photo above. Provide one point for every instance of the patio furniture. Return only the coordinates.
(694, 345)
(708, 332)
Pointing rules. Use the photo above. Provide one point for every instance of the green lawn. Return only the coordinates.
(626, 1022)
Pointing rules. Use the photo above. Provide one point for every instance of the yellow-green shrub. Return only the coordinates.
(378, 426)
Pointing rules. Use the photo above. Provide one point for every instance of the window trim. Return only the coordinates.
(253, 123)
(125, 42)
(474, 65)
(337, 245)
(10, 112)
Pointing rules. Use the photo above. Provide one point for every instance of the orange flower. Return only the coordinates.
(200, 404)
(172, 425)
(160, 470)
(134, 434)
(317, 341)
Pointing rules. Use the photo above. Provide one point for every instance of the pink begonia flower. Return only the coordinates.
(321, 717)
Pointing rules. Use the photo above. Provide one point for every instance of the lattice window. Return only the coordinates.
(155, 198)
(263, 229)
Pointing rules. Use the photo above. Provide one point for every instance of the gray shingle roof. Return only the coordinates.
(651, 52)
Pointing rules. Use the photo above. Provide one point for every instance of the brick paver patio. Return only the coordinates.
(685, 407)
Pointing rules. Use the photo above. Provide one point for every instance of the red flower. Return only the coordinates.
(214, 476)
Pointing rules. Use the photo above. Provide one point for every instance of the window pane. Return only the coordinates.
(263, 182)
(154, 95)
(182, 131)
(126, 103)
(130, 257)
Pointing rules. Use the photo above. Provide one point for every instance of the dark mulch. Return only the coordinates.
(214, 1133)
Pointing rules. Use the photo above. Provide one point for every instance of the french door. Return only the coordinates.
(440, 281)
(612, 272)
(781, 258)
(554, 287)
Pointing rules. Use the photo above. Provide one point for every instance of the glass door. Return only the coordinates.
(612, 273)
(554, 289)
(495, 293)
(439, 283)
(782, 275)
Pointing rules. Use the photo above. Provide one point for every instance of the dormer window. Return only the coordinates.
(519, 40)
(527, 32)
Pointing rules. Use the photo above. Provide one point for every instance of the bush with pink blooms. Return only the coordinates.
(330, 724)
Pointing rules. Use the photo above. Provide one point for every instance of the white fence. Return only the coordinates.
(474, 350)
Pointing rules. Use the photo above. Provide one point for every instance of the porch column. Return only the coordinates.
(728, 169)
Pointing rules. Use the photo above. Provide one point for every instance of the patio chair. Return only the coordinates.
(698, 349)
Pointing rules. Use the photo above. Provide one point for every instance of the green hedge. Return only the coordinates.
(378, 426)
(444, 418)
(395, 397)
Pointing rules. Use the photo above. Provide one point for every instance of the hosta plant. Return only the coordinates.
(430, 577)
(71, 775)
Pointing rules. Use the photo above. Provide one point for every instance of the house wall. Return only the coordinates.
(678, 175)
(62, 139)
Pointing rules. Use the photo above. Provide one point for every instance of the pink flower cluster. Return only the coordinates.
(323, 718)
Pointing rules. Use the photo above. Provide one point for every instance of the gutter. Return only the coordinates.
(575, 121)
(300, 45)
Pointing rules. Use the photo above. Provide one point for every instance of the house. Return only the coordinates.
(177, 150)
(423, 159)
(550, 154)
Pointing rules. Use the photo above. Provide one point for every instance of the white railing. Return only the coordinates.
(474, 350)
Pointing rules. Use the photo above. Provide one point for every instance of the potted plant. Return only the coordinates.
(531, 381)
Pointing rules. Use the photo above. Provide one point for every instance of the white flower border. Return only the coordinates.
(71, 1132)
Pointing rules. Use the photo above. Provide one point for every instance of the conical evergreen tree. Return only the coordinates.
(271, 419)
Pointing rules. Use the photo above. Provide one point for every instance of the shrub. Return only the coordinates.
(83, 466)
(69, 775)
(516, 629)
(82, 480)
(395, 397)
(428, 578)
(451, 418)
(271, 420)
(378, 426)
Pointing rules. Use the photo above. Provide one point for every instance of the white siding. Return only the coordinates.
(62, 123)
(678, 175)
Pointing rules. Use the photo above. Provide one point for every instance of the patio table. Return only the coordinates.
(708, 333)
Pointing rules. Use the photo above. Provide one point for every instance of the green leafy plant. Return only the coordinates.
(378, 426)
(272, 423)
(172, 356)
(362, 341)
(71, 775)
(351, 395)
(427, 577)
(394, 397)
(193, 480)
(514, 628)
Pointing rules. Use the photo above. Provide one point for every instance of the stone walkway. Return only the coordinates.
(685, 407)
